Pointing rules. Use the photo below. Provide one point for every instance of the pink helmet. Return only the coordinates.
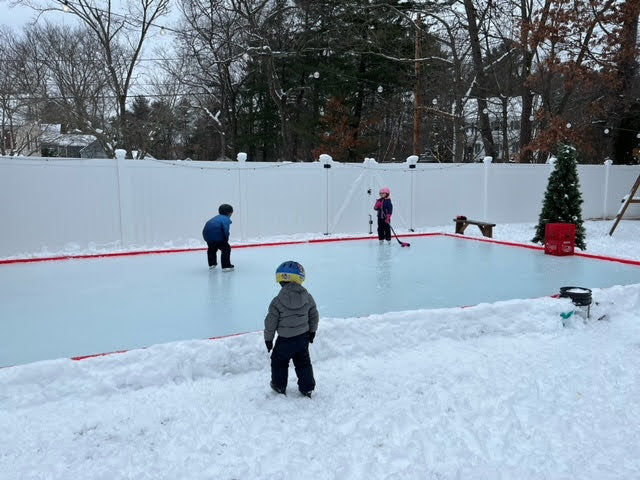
(385, 190)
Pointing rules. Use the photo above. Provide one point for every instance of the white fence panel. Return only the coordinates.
(163, 203)
(516, 192)
(50, 206)
(282, 199)
(621, 179)
(442, 192)
(592, 180)
(69, 204)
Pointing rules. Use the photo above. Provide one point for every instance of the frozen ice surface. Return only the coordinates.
(83, 307)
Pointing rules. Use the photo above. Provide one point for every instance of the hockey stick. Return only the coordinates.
(402, 244)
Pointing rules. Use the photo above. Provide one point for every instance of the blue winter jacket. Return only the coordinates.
(384, 207)
(217, 229)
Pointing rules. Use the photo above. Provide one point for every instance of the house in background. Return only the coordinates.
(53, 143)
(93, 150)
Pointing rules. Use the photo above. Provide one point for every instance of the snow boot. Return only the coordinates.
(277, 389)
(307, 394)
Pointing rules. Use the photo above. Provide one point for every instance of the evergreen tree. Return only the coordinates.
(139, 126)
(563, 200)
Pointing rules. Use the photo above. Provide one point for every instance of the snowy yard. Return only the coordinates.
(493, 391)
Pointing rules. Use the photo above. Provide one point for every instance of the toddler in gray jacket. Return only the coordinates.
(294, 316)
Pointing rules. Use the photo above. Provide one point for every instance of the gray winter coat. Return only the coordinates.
(292, 312)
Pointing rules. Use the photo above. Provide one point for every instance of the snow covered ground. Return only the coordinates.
(494, 391)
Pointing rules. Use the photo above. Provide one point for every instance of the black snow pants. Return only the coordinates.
(225, 253)
(296, 348)
(384, 230)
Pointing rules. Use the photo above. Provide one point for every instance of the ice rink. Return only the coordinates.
(70, 308)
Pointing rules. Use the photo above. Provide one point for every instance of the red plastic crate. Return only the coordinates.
(559, 238)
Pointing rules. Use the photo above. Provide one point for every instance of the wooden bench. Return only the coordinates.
(485, 227)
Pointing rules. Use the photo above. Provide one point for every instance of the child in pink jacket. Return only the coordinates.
(384, 207)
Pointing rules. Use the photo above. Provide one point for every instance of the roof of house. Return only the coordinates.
(51, 134)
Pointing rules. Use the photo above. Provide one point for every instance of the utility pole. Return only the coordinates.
(417, 94)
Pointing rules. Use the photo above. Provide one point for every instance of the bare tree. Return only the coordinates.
(78, 85)
(624, 106)
(212, 68)
(23, 90)
(172, 110)
(448, 27)
(9, 94)
(482, 57)
(121, 37)
(481, 86)
(572, 59)
(528, 40)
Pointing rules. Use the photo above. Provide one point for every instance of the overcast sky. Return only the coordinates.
(19, 16)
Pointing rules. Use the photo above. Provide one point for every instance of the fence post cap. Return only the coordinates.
(325, 158)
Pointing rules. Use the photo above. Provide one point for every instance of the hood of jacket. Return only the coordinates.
(292, 295)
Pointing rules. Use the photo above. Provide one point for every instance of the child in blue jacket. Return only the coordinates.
(216, 234)
(384, 207)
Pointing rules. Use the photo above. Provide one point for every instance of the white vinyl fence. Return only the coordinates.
(58, 205)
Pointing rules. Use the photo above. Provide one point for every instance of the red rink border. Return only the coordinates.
(538, 247)
(96, 355)
(185, 250)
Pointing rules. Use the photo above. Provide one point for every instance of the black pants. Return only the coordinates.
(296, 348)
(225, 253)
(384, 230)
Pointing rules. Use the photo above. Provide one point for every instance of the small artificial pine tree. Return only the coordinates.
(563, 200)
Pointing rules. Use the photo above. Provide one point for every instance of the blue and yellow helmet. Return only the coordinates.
(290, 271)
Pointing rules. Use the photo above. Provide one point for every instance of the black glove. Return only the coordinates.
(312, 335)
(269, 344)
